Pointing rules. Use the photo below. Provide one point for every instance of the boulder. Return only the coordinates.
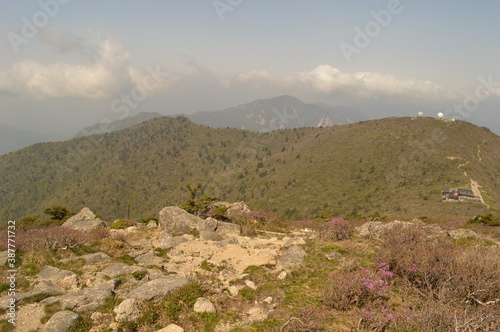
(203, 304)
(228, 229)
(85, 220)
(294, 256)
(130, 309)
(210, 236)
(89, 258)
(156, 289)
(172, 328)
(257, 314)
(60, 322)
(333, 255)
(117, 269)
(67, 280)
(166, 241)
(374, 229)
(238, 211)
(250, 284)
(152, 224)
(86, 299)
(149, 259)
(462, 233)
(175, 220)
(233, 290)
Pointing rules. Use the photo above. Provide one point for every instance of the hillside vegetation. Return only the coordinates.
(394, 166)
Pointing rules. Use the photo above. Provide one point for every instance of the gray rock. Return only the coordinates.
(60, 322)
(166, 241)
(89, 258)
(228, 229)
(257, 314)
(233, 290)
(238, 211)
(333, 255)
(65, 279)
(250, 284)
(86, 299)
(294, 256)
(149, 259)
(174, 220)
(130, 309)
(156, 289)
(47, 287)
(209, 224)
(462, 233)
(223, 243)
(137, 252)
(203, 304)
(5, 300)
(85, 220)
(374, 229)
(268, 300)
(210, 236)
(117, 269)
(152, 224)
(172, 328)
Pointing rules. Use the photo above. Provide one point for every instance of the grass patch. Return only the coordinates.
(5, 326)
(50, 310)
(127, 259)
(139, 275)
(34, 298)
(183, 298)
(161, 252)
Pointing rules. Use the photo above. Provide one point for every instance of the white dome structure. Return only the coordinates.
(440, 115)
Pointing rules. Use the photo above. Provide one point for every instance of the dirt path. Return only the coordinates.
(475, 189)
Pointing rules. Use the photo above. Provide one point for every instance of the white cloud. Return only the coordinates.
(329, 80)
(106, 73)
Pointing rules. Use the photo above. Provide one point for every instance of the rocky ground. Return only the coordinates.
(105, 291)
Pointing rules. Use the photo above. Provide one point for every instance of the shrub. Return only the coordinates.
(335, 230)
(487, 219)
(96, 234)
(139, 275)
(122, 224)
(434, 268)
(195, 204)
(358, 288)
(219, 213)
(51, 238)
(266, 220)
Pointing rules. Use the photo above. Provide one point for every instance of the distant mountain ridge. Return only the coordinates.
(101, 128)
(12, 139)
(282, 112)
(396, 166)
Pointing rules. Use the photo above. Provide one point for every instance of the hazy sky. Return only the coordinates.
(67, 64)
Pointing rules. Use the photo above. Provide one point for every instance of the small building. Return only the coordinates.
(459, 195)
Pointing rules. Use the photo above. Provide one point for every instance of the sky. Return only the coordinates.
(67, 64)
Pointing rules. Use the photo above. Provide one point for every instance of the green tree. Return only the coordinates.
(197, 204)
(57, 213)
